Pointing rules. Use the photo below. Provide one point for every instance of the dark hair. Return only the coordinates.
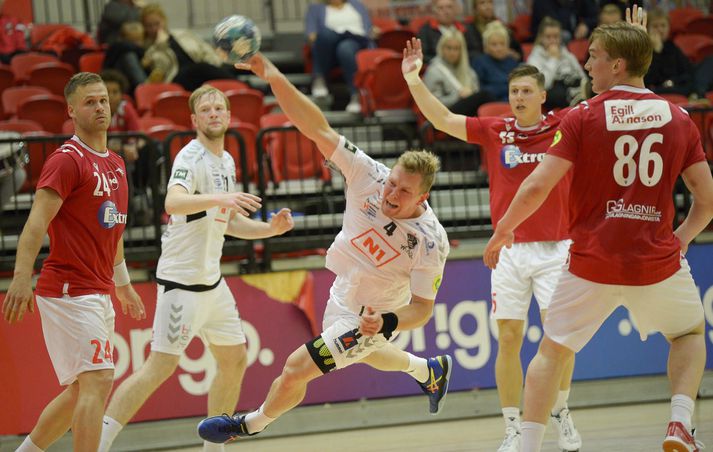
(114, 76)
(527, 70)
(80, 79)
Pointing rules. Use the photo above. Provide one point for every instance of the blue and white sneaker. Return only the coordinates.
(436, 387)
(223, 428)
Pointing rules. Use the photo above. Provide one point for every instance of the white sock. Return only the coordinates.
(257, 420)
(532, 435)
(682, 409)
(511, 414)
(28, 446)
(417, 368)
(110, 429)
(561, 402)
(213, 447)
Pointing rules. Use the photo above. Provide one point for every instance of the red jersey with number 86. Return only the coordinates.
(628, 147)
(85, 232)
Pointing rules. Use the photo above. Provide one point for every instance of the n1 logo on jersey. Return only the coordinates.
(375, 247)
(511, 156)
(109, 216)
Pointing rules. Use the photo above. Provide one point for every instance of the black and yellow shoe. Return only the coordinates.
(436, 387)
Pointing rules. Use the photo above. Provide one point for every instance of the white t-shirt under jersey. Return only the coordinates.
(380, 261)
(192, 245)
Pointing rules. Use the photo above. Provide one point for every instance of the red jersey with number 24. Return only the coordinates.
(85, 232)
(628, 147)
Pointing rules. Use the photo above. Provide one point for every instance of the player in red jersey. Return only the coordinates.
(513, 147)
(626, 147)
(81, 201)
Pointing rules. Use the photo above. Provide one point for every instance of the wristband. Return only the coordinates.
(121, 274)
(412, 77)
(391, 321)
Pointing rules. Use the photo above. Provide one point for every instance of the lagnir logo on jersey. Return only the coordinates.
(109, 216)
(511, 156)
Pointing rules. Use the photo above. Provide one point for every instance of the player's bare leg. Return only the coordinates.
(133, 392)
(390, 359)
(56, 418)
(541, 386)
(686, 363)
(225, 389)
(94, 389)
(288, 390)
(509, 379)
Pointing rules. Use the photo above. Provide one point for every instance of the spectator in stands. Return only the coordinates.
(445, 13)
(12, 36)
(483, 14)
(563, 73)
(703, 77)
(12, 172)
(124, 118)
(181, 56)
(336, 30)
(115, 14)
(577, 17)
(670, 70)
(494, 66)
(610, 14)
(126, 54)
(506, 11)
(451, 78)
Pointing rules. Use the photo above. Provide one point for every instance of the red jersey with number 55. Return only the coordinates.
(85, 232)
(628, 147)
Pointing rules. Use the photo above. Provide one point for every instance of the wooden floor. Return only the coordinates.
(626, 428)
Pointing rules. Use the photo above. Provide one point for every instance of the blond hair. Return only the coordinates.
(80, 79)
(420, 162)
(462, 67)
(202, 91)
(632, 44)
(495, 28)
(153, 8)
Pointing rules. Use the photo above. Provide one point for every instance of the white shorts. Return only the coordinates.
(79, 334)
(181, 314)
(579, 307)
(524, 269)
(344, 345)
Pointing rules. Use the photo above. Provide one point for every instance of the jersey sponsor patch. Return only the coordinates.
(636, 114)
(347, 340)
(620, 209)
(375, 247)
(109, 216)
(437, 283)
(511, 156)
(349, 146)
(180, 174)
(557, 138)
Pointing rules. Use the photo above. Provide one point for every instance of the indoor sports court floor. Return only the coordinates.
(626, 428)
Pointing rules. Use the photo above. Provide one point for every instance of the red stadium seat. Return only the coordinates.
(38, 151)
(681, 17)
(701, 25)
(526, 50)
(173, 106)
(40, 32)
(91, 62)
(418, 22)
(521, 28)
(394, 39)
(246, 105)
(678, 99)
(22, 64)
(385, 24)
(147, 122)
(367, 60)
(580, 49)
(47, 109)
(7, 80)
(386, 88)
(227, 84)
(20, 125)
(160, 133)
(691, 44)
(495, 109)
(13, 96)
(146, 93)
(53, 76)
(249, 133)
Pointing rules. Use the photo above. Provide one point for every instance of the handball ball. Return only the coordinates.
(237, 38)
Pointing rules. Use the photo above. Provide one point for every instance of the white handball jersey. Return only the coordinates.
(192, 245)
(381, 261)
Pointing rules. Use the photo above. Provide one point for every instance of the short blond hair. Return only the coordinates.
(495, 28)
(78, 80)
(622, 40)
(421, 162)
(202, 91)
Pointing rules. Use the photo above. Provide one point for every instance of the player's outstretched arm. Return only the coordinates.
(529, 197)
(699, 182)
(248, 229)
(413, 315)
(128, 298)
(19, 297)
(432, 108)
(180, 202)
(300, 110)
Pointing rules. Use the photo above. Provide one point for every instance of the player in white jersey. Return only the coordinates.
(388, 258)
(193, 298)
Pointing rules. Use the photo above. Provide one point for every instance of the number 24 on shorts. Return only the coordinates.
(97, 359)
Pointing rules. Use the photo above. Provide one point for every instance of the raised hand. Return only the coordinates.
(636, 16)
(282, 221)
(258, 64)
(413, 57)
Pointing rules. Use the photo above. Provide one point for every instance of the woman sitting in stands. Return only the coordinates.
(494, 66)
(670, 70)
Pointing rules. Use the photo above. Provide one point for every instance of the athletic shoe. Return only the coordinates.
(678, 439)
(512, 441)
(224, 428)
(569, 439)
(436, 387)
(354, 105)
(319, 87)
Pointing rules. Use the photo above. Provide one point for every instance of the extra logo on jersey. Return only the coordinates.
(109, 216)
(511, 156)
(375, 248)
